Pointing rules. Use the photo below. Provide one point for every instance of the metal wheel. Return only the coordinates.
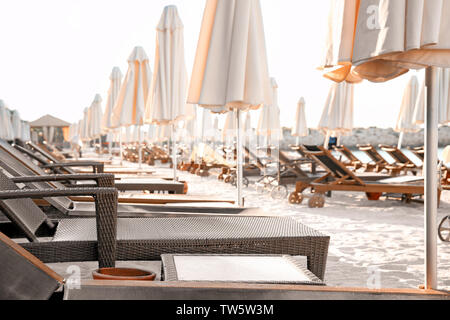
(444, 229)
(316, 201)
(296, 198)
(279, 192)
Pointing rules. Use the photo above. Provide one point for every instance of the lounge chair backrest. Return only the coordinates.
(42, 152)
(372, 153)
(22, 212)
(330, 163)
(346, 152)
(17, 164)
(397, 154)
(22, 275)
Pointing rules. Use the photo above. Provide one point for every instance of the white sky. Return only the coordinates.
(57, 54)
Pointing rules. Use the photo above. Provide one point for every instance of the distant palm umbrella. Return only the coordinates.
(405, 122)
(130, 105)
(230, 68)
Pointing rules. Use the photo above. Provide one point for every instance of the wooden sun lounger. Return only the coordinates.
(342, 179)
(379, 161)
(353, 161)
(400, 158)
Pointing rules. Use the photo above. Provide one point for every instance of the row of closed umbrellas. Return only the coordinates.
(11, 125)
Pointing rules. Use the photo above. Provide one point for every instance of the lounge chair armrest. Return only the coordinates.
(104, 180)
(106, 200)
(98, 167)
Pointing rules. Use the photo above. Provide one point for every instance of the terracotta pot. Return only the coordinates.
(373, 196)
(123, 274)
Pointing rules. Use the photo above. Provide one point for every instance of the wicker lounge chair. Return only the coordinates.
(147, 238)
(23, 276)
(17, 159)
(339, 178)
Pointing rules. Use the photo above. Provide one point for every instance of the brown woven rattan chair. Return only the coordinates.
(150, 185)
(148, 238)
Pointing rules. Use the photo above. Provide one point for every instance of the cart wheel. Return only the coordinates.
(245, 182)
(279, 192)
(227, 179)
(444, 229)
(220, 177)
(316, 201)
(296, 198)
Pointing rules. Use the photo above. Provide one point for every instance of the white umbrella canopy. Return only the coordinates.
(230, 67)
(384, 39)
(167, 99)
(405, 122)
(74, 133)
(207, 129)
(84, 128)
(379, 40)
(16, 124)
(130, 105)
(113, 92)
(230, 126)
(26, 131)
(6, 129)
(337, 116)
(269, 118)
(300, 129)
(443, 76)
(95, 118)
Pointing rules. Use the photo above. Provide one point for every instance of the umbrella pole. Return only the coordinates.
(431, 179)
(239, 167)
(297, 141)
(400, 140)
(174, 154)
(139, 147)
(120, 145)
(327, 139)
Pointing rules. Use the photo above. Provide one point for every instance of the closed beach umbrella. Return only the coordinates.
(115, 82)
(207, 130)
(95, 118)
(130, 105)
(405, 122)
(379, 40)
(26, 132)
(113, 91)
(6, 129)
(443, 76)
(337, 116)
(230, 67)
(16, 124)
(300, 129)
(230, 126)
(269, 119)
(167, 100)
(84, 129)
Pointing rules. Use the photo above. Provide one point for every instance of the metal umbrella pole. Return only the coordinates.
(239, 167)
(431, 179)
(120, 145)
(174, 154)
(139, 147)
